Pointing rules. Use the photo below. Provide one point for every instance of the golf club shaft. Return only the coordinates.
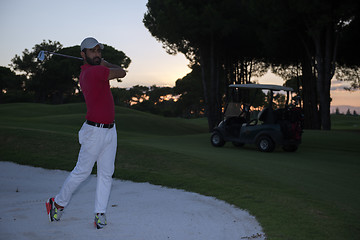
(63, 55)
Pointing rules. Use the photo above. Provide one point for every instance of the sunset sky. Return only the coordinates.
(117, 23)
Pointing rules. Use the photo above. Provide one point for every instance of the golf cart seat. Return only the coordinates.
(233, 109)
(263, 114)
(267, 115)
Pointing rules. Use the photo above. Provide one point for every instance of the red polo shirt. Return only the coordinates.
(95, 86)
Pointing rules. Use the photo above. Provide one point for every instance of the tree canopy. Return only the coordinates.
(11, 86)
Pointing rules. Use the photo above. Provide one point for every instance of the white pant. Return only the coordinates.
(97, 145)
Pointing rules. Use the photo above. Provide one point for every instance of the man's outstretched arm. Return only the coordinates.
(115, 70)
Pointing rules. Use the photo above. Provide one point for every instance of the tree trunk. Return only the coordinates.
(204, 83)
(325, 66)
(311, 113)
(211, 84)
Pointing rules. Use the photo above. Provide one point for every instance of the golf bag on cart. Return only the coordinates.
(291, 121)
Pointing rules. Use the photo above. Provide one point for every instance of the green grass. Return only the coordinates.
(345, 122)
(310, 194)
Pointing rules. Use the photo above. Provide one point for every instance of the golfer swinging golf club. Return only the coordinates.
(97, 135)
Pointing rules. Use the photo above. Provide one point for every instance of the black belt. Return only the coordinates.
(100, 125)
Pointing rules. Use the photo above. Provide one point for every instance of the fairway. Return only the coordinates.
(309, 194)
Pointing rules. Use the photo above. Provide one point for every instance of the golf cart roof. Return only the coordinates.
(262, 86)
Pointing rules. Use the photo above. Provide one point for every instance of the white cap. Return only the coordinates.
(90, 42)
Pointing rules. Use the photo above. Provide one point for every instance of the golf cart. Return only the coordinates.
(267, 128)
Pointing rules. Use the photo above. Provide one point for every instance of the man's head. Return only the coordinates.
(91, 51)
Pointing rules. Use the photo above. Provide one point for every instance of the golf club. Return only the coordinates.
(41, 55)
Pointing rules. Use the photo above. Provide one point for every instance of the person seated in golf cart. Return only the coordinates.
(235, 115)
(237, 110)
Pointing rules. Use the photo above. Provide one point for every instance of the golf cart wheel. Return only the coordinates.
(265, 144)
(290, 148)
(217, 139)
